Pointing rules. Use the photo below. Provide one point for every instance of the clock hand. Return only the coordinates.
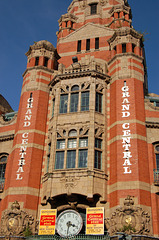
(69, 224)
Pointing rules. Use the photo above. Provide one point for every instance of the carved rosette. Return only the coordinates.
(129, 219)
(15, 221)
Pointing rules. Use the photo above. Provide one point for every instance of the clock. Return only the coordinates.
(69, 223)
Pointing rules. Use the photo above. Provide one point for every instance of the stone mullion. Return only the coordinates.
(54, 133)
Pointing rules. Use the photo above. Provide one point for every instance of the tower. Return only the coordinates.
(23, 173)
(82, 136)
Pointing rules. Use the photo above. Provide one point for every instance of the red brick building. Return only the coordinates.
(87, 132)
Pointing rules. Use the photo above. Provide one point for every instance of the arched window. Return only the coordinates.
(157, 156)
(3, 163)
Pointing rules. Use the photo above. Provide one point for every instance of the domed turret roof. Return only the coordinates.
(41, 44)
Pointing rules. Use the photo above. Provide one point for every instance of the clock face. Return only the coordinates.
(69, 223)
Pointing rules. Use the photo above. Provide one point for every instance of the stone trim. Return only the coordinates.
(6, 138)
(152, 124)
(72, 75)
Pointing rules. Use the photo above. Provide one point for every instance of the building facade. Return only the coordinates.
(87, 131)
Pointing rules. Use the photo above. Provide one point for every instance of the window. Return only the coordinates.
(53, 106)
(71, 159)
(98, 154)
(133, 47)
(48, 156)
(82, 159)
(79, 46)
(87, 44)
(74, 153)
(84, 101)
(3, 163)
(96, 43)
(59, 160)
(93, 8)
(98, 106)
(157, 157)
(36, 61)
(60, 144)
(124, 48)
(63, 103)
(70, 102)
(74, 102)
(46, 61)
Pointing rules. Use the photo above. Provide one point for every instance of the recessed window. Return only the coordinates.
(71, 99)
(133, 47)
(3, 163)
(63, 103)
(84, 101)
(93, 8)
(46, 61)
(36, 61)
(124, 48)
(157, 162)
(82, 158)
(87, 44)
(96, 43)
(59, 160)
(99, 98)
(60, 144)
(79, 45)
(71, 159)
(74, 154)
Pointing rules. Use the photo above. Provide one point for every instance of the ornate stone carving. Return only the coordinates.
(69, 182)
(14, 221)
(103, 2)
(129, 219)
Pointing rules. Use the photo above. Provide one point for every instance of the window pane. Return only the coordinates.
(74, 102)
(98, 143)
(96, 43)
(84, 101)
(87, 44)
(98, 159)
(157, 161)
(79, 46)
(83, 142)
(72, 143)
(53, 107)
(93, 9)
(82, 159)
(63, 103)
(75, 88)
(59, 161)
(60, 144)
(98, 102)
(71, 158)
(72, 133)
(2, 170)
(3, 159)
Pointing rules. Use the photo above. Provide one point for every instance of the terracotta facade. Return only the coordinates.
(86, 132)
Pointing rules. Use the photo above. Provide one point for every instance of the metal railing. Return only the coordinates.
(156, 176)
(78, 237)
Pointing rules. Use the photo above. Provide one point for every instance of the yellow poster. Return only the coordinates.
(95, 221)
(47, 222)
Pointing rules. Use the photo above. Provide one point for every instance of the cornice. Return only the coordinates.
(38, 68)
(125, 54)
(124, 31)
(72, 74)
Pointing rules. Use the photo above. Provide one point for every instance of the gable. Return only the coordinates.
(88, 31)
